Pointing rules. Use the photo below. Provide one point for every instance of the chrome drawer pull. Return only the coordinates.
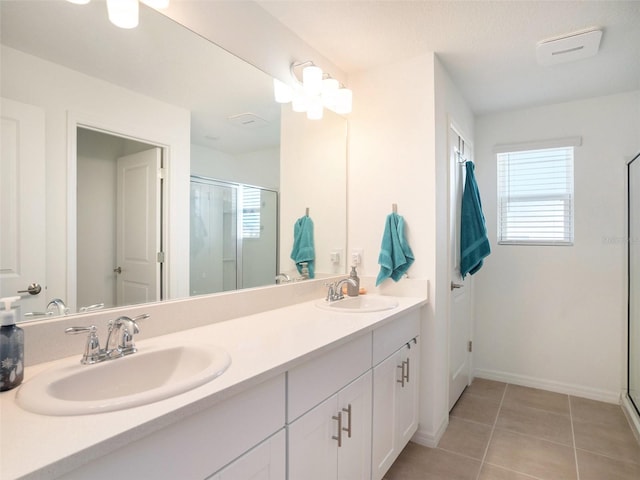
(339, 437)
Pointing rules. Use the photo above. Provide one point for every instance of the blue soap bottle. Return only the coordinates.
(11, 346)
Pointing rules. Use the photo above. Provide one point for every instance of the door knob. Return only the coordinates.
(456, 285)
(32, 289)
(117, 270)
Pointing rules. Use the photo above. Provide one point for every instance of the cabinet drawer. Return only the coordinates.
(200, 444)
(390, 337)
(316, 380)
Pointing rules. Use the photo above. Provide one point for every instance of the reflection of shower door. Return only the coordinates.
(234, 233)
(213, 237)
(634, 282)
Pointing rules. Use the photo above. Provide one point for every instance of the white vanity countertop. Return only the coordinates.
(261, 346)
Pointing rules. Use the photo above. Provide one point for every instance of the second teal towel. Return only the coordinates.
(395, 253)
(474, 243)
(303, 249)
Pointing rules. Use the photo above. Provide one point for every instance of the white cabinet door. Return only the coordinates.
(354, 455)
(312, 448)
(395, 406)
(385, 386)
(264, 462)
(319, 450)
(407, 404)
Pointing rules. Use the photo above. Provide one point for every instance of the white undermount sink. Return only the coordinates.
(359, 304)
(149, 375)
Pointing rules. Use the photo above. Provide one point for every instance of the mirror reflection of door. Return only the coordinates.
(118, 220)
(22, 203)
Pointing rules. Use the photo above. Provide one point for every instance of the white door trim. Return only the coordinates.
(77, 120)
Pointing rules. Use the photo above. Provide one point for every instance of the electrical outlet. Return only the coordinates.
(356, 256)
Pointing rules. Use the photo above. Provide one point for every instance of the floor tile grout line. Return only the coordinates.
(534, 437)
(609, 457)
(502, 467)
(573, 436)
(493, 429)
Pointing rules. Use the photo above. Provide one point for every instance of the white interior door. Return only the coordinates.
(138, 228)
(460, 300)
(22, 203)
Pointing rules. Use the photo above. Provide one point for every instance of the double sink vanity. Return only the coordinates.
(313, 390)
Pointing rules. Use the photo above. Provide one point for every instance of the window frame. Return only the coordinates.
(565, 198)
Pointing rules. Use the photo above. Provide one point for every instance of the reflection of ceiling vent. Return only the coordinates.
(248, 120)
(574, 46)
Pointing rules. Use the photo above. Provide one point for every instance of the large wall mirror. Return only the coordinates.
(126, 154)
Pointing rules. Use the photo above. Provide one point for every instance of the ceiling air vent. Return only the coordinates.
(568, 48)
(248, 120)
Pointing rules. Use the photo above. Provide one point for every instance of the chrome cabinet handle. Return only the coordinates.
(407, 371)
(32, 289)
(402, 375)
(348, 412)
(456, 285)
(339, 437)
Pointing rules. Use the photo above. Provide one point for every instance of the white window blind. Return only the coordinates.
(251, 203)
(535, 197)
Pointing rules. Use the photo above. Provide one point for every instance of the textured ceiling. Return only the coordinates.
(488, 47)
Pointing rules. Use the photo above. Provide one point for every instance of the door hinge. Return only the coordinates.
(162, 173)
(470, 346)
(160, 257)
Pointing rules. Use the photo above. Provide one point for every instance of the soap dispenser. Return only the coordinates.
(352, 290)
(11, 346)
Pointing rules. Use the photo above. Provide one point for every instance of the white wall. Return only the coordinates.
(450, 108)
(65, 94)
(555, 317)
(260, 168)
(397, 154)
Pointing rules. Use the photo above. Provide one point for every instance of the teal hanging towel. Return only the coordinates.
(474, 243)
(303, 250)
(395, 253)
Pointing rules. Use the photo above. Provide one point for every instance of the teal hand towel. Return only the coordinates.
(395, 254)
(303, 249)
(474, 243)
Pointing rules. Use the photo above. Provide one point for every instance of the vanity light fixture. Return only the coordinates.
(124, 13)
(316, 91)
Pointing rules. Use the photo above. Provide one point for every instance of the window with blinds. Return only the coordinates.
(535, 197)
(251, 203)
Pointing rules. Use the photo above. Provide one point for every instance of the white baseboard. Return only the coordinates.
(430, 439)
(632, 416)
(550, 385)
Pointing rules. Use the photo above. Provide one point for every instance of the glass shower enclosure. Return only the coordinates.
(633, 258)
(234, 236)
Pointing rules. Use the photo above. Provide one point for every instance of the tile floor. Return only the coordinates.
(500, 431)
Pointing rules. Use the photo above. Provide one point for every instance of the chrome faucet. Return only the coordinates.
(119, 339)
(282, 278)
(334, 291)
(57, 306)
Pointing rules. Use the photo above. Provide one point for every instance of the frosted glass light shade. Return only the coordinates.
(299, 103)
(315, 110)
(329, 89)
(344, 101)
(123, 13)
(282, 92)
(312, 80)
(159, 4)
